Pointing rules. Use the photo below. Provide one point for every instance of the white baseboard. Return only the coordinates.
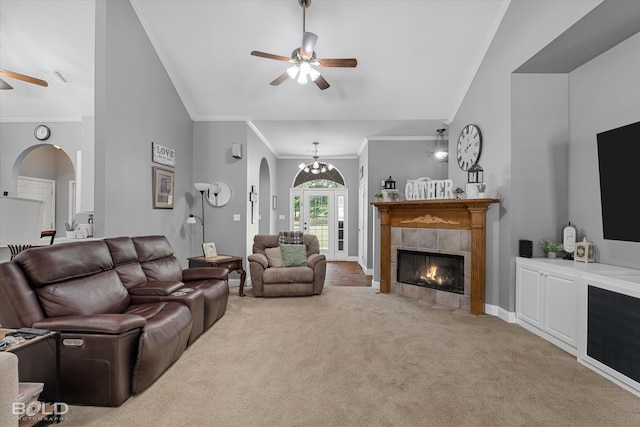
(494, 310)
(375, 285)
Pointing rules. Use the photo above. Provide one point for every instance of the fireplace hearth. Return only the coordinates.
(440, 271)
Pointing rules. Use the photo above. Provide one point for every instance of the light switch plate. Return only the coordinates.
(236, 217)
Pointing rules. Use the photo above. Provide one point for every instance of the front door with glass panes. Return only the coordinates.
(323, 213)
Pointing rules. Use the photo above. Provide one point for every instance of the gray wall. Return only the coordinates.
(17, 142)
(136, 104)
(402, 160)
(212, 161)
(540, 154)
(261, 160)
(532, 127)
(603, 94)
(288, 169)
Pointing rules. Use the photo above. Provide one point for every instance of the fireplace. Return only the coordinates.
(453, 226)
(440, 271)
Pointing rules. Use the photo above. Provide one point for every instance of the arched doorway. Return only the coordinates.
(319, 206)
(44, 172)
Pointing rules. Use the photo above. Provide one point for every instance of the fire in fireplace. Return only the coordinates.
(431, 270)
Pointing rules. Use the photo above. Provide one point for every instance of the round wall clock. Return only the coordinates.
(469, 147)
(42, 132)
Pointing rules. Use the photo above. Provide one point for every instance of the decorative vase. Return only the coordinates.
(551, 254)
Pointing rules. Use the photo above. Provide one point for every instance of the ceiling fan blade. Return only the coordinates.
(271, 56)
(4, 85)
(337, 62)
(23, 77)
(282, 77)
(308, 45)
(322, 83)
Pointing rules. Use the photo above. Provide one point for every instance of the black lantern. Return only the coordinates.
(389, 184)
(476, 174)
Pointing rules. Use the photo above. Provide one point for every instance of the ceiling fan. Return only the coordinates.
(6, 73)
(304, 59)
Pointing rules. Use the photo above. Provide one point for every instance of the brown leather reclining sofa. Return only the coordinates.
(124, 306)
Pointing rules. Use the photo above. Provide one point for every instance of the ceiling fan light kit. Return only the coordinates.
(304, 59)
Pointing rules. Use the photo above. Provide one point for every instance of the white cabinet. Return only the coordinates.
(588, 309)
(546, 301)
(529, 294)
(560, 304)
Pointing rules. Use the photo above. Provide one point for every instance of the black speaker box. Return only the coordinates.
(526, 248)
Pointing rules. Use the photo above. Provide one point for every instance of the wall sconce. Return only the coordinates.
(236, 150)
(218, 193)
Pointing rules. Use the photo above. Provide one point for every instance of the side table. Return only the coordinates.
(233, 263)
(15, 348)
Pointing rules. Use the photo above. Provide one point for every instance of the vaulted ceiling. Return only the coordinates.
(416, 59)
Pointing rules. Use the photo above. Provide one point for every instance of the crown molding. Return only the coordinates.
(402, 138)
(221, 119)
(41, 119)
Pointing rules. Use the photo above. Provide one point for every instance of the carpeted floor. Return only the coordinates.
(355, 357)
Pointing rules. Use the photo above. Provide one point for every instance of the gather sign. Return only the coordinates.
(426, 189)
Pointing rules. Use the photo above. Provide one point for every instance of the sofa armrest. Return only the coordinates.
(205, 273)
(260, 259)
(95, 323)
(313, 259)
(156, 287)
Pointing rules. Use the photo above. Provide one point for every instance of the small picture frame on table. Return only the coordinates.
(209, 250)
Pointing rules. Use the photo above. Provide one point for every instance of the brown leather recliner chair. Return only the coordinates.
(270, 281)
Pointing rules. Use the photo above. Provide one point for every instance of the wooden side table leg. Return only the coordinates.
(243, 275)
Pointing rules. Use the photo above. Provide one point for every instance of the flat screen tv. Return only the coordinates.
(618, 159)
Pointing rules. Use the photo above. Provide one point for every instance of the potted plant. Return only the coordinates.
(482, 188)
(378, 197)
(550, 247)
(394, 195)
(458, 192)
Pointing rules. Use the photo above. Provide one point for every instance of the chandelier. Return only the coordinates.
(315, 167)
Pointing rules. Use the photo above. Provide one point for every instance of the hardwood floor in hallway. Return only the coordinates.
(345, 273)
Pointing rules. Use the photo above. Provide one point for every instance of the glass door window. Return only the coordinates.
(317, 219)
(324, 214)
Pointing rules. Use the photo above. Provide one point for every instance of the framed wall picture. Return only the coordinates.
(162, 188)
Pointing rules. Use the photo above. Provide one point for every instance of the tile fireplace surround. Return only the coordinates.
(451, 226)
